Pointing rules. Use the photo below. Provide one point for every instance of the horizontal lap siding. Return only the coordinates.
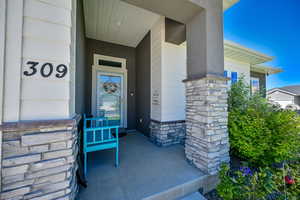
(46, 38)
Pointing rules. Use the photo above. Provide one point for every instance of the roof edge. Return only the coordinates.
(278, 89)
(265, 69)
(229, 3)
(247, 51)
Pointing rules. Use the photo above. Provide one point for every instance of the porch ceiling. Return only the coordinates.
(117, 22)
(126, 22)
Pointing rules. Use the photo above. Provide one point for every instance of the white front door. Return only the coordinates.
(109, 97)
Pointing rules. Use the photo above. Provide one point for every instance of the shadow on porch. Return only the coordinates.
(145, 172)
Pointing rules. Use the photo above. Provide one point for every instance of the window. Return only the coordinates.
(110, 63)
(226, 73)
(254, 85)
(234, 77)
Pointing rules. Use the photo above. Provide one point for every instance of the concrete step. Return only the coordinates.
(182, 192)
(194, 196)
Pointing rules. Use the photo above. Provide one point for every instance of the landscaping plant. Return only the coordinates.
(245, 184)
(259, 132)
(268, 139)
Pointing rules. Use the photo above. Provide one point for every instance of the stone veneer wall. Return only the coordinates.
(167, 133)
(39, 160)
(207, 143)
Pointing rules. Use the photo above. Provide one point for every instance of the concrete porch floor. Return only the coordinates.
(145, 172)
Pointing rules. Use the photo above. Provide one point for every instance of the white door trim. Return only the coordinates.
(114, 70)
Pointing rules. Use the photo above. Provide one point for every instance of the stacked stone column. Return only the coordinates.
(39, 160)
(207, 144)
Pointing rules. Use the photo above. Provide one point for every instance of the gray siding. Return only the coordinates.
(143, 82)
(115, 50)
(80, 105)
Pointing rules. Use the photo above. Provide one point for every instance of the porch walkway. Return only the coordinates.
(145, 171)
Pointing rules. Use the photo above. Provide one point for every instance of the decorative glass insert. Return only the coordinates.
(109, 95)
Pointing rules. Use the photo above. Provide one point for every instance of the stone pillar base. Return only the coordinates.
(167, 133)
(207, 144)
(39, 160)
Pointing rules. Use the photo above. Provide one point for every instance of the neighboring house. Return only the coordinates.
(285, 96)
(156, 67)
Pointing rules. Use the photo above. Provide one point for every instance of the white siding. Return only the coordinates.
(173, 89)
(239, 67)
(157, 38)
(45, 37)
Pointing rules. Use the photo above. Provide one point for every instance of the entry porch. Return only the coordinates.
(145, 172)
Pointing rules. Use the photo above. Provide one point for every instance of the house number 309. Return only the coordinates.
(46, 69)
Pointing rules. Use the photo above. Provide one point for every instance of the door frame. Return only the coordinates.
(96, 68)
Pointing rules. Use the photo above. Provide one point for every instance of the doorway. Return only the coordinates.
(110, 89)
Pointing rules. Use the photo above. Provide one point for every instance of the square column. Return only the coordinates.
(207, 143)
(38, 125)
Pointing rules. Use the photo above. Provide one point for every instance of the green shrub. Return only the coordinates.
(238, 95)
(285, 131)
(249, 135)
(260, 132)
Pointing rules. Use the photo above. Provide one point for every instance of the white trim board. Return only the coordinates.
(2, 52)
(106, 69)
(3, 4)
(72, 108)
(13, 59)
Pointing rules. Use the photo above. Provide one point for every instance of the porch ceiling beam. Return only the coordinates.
(179, 10)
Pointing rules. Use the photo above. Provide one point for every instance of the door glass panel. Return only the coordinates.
(109, 93)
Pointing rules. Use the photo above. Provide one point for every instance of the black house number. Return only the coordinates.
(46, 69)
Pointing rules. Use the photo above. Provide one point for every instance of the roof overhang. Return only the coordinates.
(237, 52)
(265, 69)
(229, 3)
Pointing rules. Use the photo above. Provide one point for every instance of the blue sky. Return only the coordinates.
(271, 27)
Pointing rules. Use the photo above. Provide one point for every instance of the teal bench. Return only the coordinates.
(98, 135)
